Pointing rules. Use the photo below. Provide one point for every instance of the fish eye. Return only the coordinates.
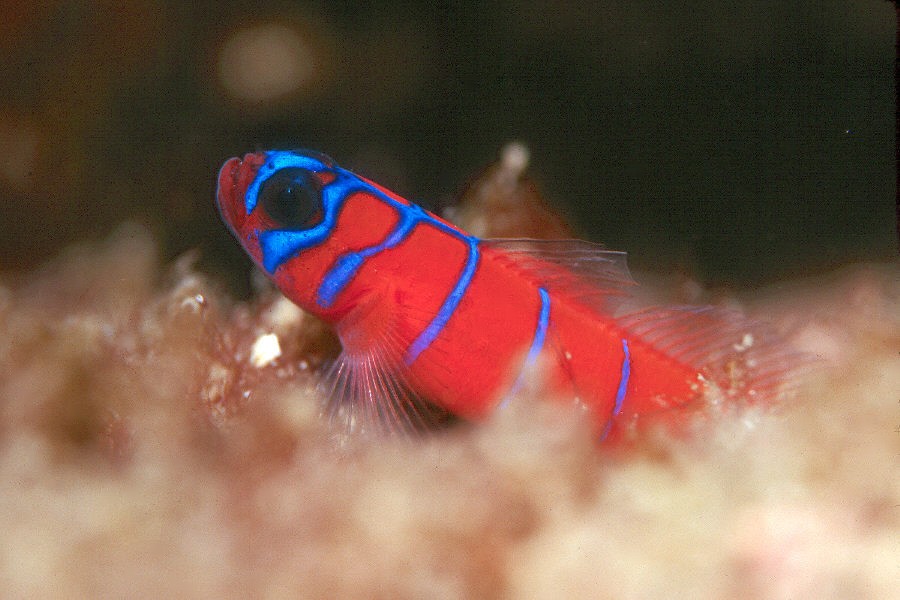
(292, 198)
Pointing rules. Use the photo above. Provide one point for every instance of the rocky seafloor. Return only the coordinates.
(146, 450)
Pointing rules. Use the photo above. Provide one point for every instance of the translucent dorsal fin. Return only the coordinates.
(367, 392)
(743, 357)
(583, 271)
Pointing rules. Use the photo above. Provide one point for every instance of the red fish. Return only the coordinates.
(426, 311)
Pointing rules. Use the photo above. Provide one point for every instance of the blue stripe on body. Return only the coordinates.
(623, 387)
(540, 332)
(537, 344)
(434, 328)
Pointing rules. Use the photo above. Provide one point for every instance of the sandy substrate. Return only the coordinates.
(145, 451)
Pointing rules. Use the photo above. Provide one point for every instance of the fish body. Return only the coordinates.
(425, 310)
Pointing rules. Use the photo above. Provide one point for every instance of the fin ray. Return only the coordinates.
(583, 271)
(367, 392)
(741, 356)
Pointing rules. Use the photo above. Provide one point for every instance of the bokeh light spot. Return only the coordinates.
(265, 62)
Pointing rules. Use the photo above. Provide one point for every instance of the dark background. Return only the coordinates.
(745, 142)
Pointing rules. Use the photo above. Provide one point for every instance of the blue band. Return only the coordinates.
(450, 304)
(537, 345)
(623, 388)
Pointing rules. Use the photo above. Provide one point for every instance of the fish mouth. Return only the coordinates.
(234, 178)
(227, 200)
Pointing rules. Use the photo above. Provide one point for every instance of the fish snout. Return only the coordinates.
(229, 199)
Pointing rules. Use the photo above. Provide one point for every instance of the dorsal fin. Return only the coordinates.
(583, 271)
(742, 357)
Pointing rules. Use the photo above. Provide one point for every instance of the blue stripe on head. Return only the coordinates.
(283, 159)
(340, 275)
(347, 266)
(279, 245)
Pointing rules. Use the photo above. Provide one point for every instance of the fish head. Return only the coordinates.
(273, 203)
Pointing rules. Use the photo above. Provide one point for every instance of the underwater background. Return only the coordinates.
(741, 143)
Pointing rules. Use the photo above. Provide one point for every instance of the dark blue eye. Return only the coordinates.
(292, 198)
